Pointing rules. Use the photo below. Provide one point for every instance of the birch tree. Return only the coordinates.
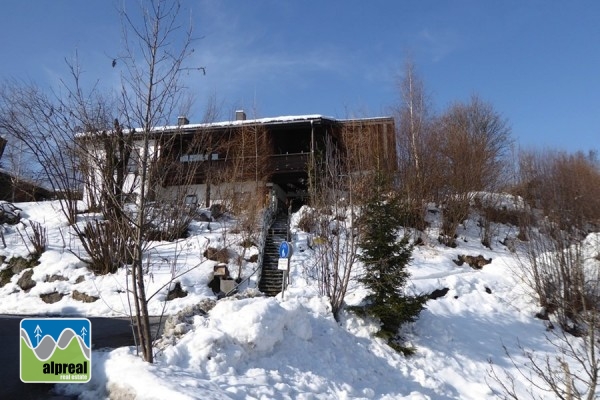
(416, 144)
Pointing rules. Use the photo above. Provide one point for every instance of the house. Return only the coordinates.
(200, 163)
(16, 188)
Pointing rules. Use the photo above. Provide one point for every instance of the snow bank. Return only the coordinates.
(290, 347)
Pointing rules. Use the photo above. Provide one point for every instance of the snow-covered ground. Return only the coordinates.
(290, 347)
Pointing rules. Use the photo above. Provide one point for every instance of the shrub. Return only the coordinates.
(455, 212)
(167, 222)
(38, 238)
(107, 246)
(308, 222)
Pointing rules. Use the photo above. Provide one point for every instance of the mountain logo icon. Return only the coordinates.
(56, 350)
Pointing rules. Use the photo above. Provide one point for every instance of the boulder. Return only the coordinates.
(9, 214)
(218, 255)
(80, 296)
(25, 282)
(18, 264)
(475, 262)
(437, 293)
(55, 278)
(5, 276)
(176, 292)
(51, 298)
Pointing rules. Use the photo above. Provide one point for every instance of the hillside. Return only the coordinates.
(290, 347)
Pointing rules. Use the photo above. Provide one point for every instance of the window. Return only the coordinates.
(198, 157)
(191, 200)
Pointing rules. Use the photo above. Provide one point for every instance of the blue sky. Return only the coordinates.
(537, 62)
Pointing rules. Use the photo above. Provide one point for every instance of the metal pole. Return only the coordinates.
(283, 283)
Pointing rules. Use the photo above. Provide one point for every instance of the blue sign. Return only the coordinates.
(284, 250)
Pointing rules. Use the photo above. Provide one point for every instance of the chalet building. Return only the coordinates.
(15, 189)
(18, 189)
(211, 161)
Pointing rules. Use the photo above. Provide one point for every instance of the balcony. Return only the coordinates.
(294, 162)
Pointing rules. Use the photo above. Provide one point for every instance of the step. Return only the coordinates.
(271, 277)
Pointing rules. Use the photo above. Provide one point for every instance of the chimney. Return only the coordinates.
(182, 120)
(240, 115)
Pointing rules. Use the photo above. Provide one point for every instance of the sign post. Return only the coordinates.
(285, 250)
(283, 264)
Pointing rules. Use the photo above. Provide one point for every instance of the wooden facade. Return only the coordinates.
(285, 153)
(279, 150)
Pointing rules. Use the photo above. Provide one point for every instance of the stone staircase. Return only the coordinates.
(271, 278)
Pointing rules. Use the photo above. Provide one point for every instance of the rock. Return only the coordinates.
(25, 282)
(253, 258)
(203, 217)
(5, 276)
(176, 293)
(218, 255)
(56, 277)
(80, 279)
(18, 264)
(488, 290)
(51, 298)
(474, 262)
(9, 214)
(86, 298)
(217, 210)
(510, 243)
(543, 315)
(437, 293)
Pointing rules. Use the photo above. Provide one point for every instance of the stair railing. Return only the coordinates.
(268, 216)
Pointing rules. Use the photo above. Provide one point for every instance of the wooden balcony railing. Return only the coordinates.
(295, 162)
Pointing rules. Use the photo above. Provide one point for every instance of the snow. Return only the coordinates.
(284, 119)
(290, 347)
(224, 124)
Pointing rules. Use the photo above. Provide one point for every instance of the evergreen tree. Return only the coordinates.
(385, 259)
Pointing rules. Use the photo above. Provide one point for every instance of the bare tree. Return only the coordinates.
(242, 179)
(564, 191)
(151, 94)
(46, 126)
(562, 267)
(474, 140)
(335, 224)
(570, 287)
(414, 130)
(81, 138)
(420, 173)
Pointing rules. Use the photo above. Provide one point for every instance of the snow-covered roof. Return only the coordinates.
(287, 119)
(256, 121)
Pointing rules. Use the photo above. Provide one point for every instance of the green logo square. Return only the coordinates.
(56, 350)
